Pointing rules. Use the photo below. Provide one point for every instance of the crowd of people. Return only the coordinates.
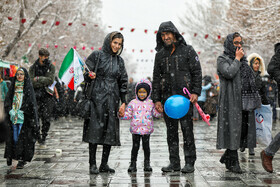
(37, 96)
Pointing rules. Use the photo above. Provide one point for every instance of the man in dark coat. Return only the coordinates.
(176, 66)
(42, 75)
(273, 68)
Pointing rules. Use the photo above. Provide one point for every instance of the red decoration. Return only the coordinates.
(198, 52)
(132, 29)
(29, 44)
(10, 18)
(206, 36)
(23, 20)
(69, 24)
(195, 34)
(96, 25)
(100, 48)
(121, 28)
(75, 47)
(55, 45)
(47, 46)
(92, 48)
(152, 51)
(39, 45)
(57, 23)
(84, 48)
(141, 51)
(219, 36)
(132, 50)
(155, 32)
(44, 22)
(146, 31)
(65, 46)
(83, 24)
(182, 33)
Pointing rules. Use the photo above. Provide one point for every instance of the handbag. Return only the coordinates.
(83, 107)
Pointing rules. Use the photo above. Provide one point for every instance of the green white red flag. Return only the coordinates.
(72, 69)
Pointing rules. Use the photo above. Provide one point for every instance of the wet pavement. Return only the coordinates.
(50, 167)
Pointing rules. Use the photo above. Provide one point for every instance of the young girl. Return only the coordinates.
(141, 110)
(21, 111)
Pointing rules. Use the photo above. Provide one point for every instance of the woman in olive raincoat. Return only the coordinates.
(21, 112)
(110, 86)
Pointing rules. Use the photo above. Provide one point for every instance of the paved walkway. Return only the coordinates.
(72, 168)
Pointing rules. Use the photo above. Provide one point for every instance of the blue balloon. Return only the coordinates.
(176, 106)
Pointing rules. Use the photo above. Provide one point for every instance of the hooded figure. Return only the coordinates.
(109, 87)
(252, 58)
(23, 149)
(176, 66)
(237, 82)
(141, 110)
(273, 67)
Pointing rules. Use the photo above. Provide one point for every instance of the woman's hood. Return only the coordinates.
(262, 65)
(144, 80)
(107, 43)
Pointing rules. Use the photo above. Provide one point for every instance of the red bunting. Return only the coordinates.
(23, 20)
(146, 31)
(206, 36)
(96, 25)
(65, 46)
(56, 46)
(121, 28)
(132, 30)
(198, 52)
(47, 46)
(39, 45)
(219, 37)
(84, 48)
(69, 24)
(29, 44)
(152, 51)
(155, 32)
(75, 47)
(83, 24)
(195, 34)
(182, 33)
(141, 50)
(132, 50)
(100, 48)
(10, 18)
(57, 23)
(44, 22)
(92, 48)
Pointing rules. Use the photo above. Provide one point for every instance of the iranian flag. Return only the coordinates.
(71, 69)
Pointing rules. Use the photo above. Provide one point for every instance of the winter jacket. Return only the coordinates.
(24, 149)
(173, 72)
(202, 96)
(45, 75)
(110, 86)
(273, 67)
(141, 113)
(259, 82)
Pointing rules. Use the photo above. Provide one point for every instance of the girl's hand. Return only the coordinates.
(92, 75)
(122, 110)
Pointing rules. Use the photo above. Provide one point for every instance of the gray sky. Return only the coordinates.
(141, 15)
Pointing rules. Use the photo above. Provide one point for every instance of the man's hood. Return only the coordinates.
(168, 27)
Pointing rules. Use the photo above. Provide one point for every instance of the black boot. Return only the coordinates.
(106, 168)
(147, 166)
(171, 168)
(20, 164)
(188, 168)
(132, 167)
(235, 168)
(225, 160)
(9, 161)
(93, 169)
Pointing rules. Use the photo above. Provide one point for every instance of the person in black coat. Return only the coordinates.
(273, 67)
(176, 66)
(110, 86)
(21, 112)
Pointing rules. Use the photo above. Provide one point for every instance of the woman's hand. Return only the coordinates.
(92, 75)
(239, 53)
(122, 110)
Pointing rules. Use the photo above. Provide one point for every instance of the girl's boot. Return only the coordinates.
(132, 167)
(147, 166)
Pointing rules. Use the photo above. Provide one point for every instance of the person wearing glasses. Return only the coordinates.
(42, 75)
(21, 112)
(237, 100)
